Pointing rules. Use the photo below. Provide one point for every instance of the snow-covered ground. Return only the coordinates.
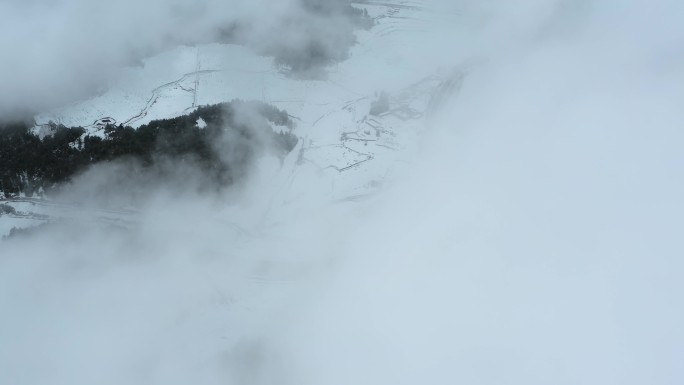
(344, 150)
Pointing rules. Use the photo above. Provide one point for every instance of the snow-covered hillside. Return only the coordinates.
(344, 150)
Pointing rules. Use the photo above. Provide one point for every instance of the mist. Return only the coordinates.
(533, 237)
(59, 52)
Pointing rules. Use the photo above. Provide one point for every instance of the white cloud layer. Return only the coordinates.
(535, 240)
(55, 51)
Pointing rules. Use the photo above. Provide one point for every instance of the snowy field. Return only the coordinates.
(343, 149)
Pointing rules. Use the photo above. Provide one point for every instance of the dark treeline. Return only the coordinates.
(224, 148)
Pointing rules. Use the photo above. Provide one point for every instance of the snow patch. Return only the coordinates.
(201, 123)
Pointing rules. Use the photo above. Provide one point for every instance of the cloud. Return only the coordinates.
(58, 51)
(535, 240)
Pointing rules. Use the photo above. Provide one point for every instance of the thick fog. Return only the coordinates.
(535, 237)
(60, 51)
